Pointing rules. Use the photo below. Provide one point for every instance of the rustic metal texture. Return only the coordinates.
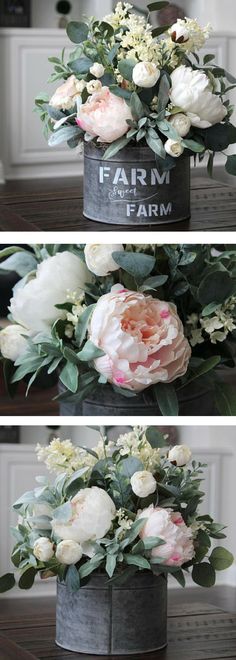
(57, 205)
(107, 619)
(196, 630)
(194, 400)
(129, 189)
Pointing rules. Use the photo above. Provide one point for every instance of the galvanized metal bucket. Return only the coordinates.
(196, 399)
(102, 619)
(128, 189)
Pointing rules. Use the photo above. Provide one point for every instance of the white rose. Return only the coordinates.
(94, 86)
(97, 70)
(173, 148)
(180, 454)
(178, 32)
(146, 74)
(68, 552)
(191, 91)
(12, 343)
(181, 123)
(143, 483)
(99, 258)
(91, 517)
(43, 549)
(33, 305)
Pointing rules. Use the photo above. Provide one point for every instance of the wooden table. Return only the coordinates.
(197, 631)
(56, 204)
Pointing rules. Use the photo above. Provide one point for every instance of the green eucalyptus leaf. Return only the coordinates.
(77, 31)
(204, 574)
(7, 582)
(136, 106)
(135, 263)
(154, 282)
(155, 6)
(27, 578)
(126, 67)
(155, 437)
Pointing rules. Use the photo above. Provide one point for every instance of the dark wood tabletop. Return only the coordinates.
(57, 205)
(197, 631)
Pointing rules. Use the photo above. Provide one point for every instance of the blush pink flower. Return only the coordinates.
(171, 528)
(142, 338)
(104, 115)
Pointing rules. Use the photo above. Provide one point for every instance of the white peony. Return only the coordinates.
(191, 91)
(68, 552)
(43, 549)
(34, 305)
(180, 454)
(173, 148)
(145, 74)
(143, 483)
(99, 258)
(92, 513)
(97, 70)
(12, 342)
(179, 32)
(181, 123)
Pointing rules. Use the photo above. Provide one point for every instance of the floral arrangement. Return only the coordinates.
(128, 317)
(149, 80)
(119, 508)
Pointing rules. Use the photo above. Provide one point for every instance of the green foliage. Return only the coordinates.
(221, 559)
(7, 582)
(231, 165)
(204, 574)
(166, 398)
(77, 32)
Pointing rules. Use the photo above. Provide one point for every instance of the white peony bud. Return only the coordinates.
(145, 74)
(68, 552)
(97, 70)
(94, 86)
(181, 123)
(180, 454)
(143, 483)
(99, 258)
(43, 549)
(12, 343)
(173, 148)
(178, 32)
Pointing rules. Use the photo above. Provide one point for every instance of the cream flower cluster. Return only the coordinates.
(217, 327)
(136, 444)
(124, 522)
(63, 456)
(137, 38)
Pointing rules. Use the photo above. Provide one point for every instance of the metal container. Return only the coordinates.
(128, 189)
(103, 619)
(196, 399)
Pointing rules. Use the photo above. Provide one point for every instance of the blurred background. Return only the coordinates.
(31, 31)
(214, 445)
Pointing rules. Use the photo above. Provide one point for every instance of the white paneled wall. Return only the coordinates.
(215, 446)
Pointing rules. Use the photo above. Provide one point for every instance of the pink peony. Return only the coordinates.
(142, 338)
(104, 115)
(169, 526)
